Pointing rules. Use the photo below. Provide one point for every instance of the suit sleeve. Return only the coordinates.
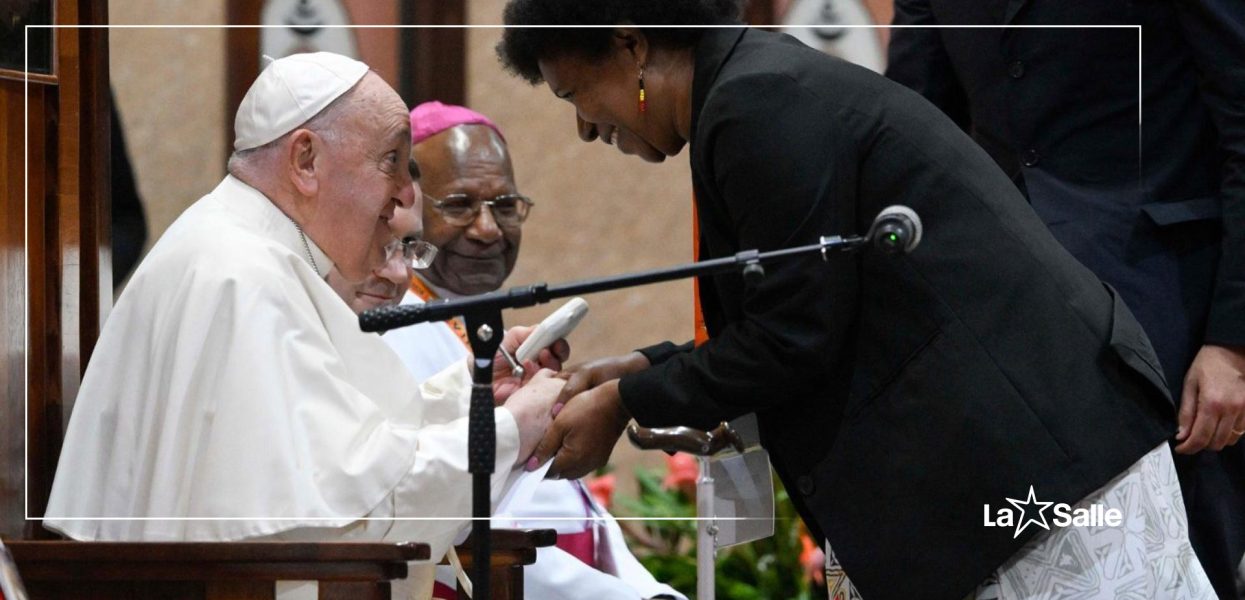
(773, 164)
(664, 351)
(1215, 32)
(917, 58)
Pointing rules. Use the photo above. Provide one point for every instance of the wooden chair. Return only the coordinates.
(64, 570)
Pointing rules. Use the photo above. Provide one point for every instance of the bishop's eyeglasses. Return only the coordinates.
(509, 210)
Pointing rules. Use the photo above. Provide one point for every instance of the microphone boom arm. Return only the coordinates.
(749, 261)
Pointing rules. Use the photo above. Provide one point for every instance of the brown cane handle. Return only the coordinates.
(685, 439)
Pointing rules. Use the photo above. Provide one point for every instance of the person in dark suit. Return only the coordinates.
(129, 225)
(1156, 208)
(897, 396)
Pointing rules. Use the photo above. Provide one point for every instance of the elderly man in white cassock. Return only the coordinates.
(232, 395)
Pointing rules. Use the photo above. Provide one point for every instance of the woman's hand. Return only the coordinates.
(583, 434)
(583, 377)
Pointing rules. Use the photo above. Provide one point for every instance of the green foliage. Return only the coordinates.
(767, 569)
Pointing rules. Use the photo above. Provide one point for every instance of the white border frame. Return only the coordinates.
(26, 225)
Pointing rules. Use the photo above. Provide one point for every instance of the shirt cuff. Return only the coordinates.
(447, 395)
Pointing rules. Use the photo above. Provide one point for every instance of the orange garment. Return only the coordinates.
(425, 293)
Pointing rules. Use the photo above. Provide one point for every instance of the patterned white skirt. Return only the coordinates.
(1147, 557)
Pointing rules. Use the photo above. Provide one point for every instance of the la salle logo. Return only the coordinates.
(1031, 511)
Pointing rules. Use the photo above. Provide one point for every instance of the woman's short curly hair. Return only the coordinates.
(522, 46)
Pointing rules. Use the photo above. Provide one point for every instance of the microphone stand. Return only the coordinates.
(482, 316)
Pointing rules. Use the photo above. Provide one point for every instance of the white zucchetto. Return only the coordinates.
(289, 92)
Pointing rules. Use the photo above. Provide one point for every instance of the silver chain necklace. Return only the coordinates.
(306, 246)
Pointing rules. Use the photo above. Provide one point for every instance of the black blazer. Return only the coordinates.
(1148, 208)
(895, 395)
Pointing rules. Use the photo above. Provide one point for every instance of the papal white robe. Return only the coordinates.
(231, 395)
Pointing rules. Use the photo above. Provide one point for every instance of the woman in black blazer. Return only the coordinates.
(897, 396)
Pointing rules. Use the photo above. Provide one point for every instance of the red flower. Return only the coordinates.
(682, 472)
(813, 558)
(602, 489)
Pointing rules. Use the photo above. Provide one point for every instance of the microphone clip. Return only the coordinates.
(753, 271)
(840, 243)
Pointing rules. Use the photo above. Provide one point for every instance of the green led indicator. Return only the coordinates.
(892, 237)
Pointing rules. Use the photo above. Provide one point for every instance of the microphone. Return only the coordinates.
(896, 230)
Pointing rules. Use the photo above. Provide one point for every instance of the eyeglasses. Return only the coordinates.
(460, 210)
(417, 254)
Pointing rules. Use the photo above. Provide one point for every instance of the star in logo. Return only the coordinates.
(1025, 518)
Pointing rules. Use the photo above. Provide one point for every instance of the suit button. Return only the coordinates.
(806, 484)
(1016, 69)
(1032, 158)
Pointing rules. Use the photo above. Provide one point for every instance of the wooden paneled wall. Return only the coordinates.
(54, 262)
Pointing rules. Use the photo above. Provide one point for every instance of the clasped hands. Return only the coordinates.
(529, 396)
(588, 417)
(584, 399)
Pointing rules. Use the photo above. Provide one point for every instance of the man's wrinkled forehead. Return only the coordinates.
(396, 114)
(382, 107)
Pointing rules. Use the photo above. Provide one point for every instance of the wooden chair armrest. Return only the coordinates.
(511, 547)
(517, 539)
